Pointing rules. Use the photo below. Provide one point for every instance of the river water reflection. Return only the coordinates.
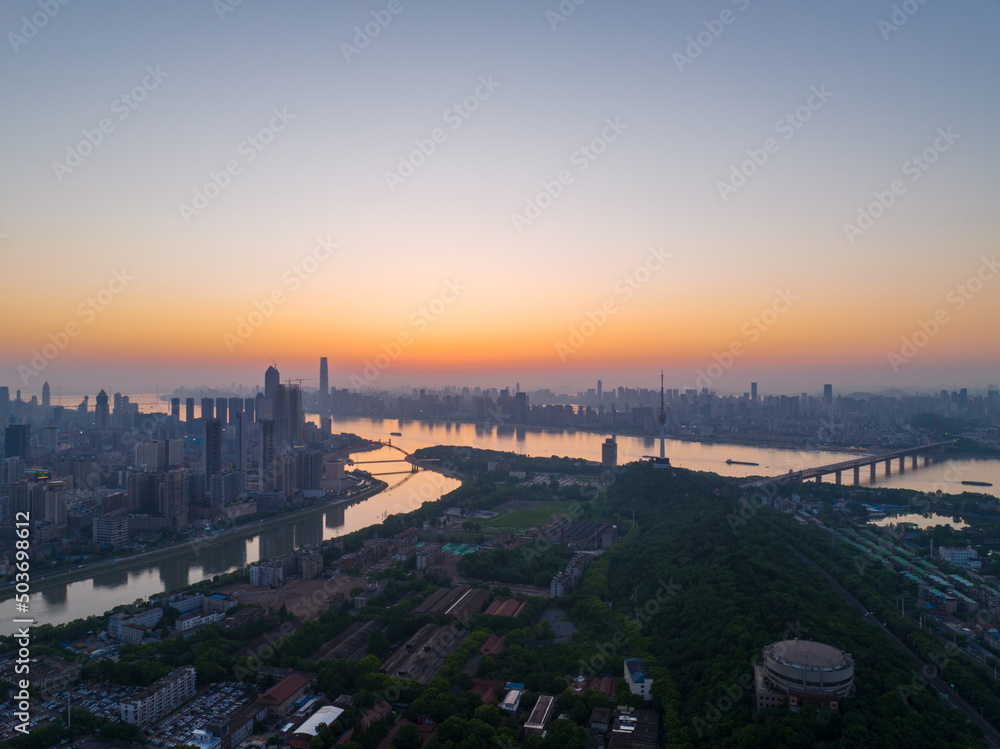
(125, 583)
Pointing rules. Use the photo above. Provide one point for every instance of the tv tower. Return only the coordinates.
(663, 461)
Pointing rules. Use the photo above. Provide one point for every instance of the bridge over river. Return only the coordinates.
(856, 465)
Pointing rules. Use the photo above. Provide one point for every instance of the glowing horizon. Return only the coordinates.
(582, 201)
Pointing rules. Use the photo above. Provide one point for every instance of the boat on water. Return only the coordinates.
(977, 483)
(395, 434)
(732, 462)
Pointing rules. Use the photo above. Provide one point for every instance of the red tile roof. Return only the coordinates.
(284, 689)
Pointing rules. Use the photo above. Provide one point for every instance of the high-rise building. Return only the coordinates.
(521, 408)
(174, 497)
(221, 410)
(235, 407)
(46, 395)
(753, 392)
(207, 408)
(211, 447)
(272, 380)
(4, 398)
(268, 454)
(189, 410)
(243, 435)
(324, 381)
(250, 409)
(17, 441)
(55, 502)
(102, 413)
(290, 417)
(175, 408)
(828, 395)
(600, 391)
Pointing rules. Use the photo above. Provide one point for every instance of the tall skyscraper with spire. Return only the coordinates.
(102, 412)
(46, 395)
(272, 380)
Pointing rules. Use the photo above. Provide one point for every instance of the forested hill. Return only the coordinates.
(733, 587)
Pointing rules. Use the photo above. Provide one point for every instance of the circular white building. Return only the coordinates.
(804, 672)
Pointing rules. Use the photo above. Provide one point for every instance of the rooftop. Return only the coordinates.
(283, 690)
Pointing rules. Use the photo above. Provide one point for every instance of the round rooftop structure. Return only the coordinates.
(807, 666)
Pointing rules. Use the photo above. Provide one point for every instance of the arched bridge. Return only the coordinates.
(856, 465)
(416, 463)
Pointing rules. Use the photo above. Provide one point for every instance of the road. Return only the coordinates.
(991, 734)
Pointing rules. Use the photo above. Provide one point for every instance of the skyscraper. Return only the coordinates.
(222, 410)
(175, 497)
(324, 382)
(207, 408)
(17, 441)
(211, 447)
(272, 379)
(189, 410)
(235, 407)
(268, 454)
(46, 395)
(290, 417)
(753, 392)
(175, 408)
(828, 395)
(102, 412)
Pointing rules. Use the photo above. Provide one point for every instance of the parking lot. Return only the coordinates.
(218, 701)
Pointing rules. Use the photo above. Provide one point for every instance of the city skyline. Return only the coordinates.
(794, 195)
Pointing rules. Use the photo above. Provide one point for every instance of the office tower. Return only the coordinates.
(268, 454)
(271, 382)
(600, 391)
(211, 447)
(118, 405)
(102, 413)
(17, 441)
(175, 408)
(753, 392)
(828, 395)
(250, 409)
(207, 408)
(46, 395)
(4, 398)
(324, 382)
(175, 497)
(188, 410)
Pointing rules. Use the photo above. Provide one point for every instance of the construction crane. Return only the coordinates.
(299, 380)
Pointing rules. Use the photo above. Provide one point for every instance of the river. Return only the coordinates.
(57, 603)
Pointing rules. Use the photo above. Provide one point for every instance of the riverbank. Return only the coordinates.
(245, 530)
